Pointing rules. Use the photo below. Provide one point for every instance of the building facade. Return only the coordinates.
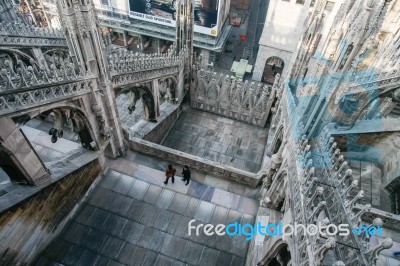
(338, 97)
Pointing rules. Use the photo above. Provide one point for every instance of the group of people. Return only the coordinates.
(170, 173)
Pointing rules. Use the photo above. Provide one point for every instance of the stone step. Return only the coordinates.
(130, 221)
(136, 164)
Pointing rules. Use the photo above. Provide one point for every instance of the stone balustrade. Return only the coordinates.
(249, 102)
(17, 28)
(212, 168)
(16, 101)
(21, 34)
(122, 61)
(22, 76)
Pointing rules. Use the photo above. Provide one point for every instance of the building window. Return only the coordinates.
(104, 2)
(300, 2)
(286, 0)
(395, 202)
(329, 6)
(312, 3)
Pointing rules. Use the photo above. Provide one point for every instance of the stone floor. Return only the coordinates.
(132, 218)
(51, 152)
(218, 139)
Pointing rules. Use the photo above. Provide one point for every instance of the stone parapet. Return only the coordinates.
(195, 162)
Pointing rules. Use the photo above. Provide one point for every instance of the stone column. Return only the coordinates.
(21, 154)
(125, 41)
(38, 54)
(156, 94)
(141, 42)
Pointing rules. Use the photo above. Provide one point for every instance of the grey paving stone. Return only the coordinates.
(196, 189)
(44, 261)
(224, 258)
(88, 258)
(146, 236)
(138, 189)
(208, 193)
(73, 255)
(223, 243)
(157, 241)
(164, 261)
(152, 194)
(68, 233)
(247, 219)
(181, 230)
(136, 210)
(149, 215)
(79, 235)
(151, 258)
(219, 215)
(112, 247)
(132, 232)
(237, 261)
(174, 223)
(57, 250)
(110, 180)
(126, 255)
(239, 246)
(102, 198)
(178, 203)
(114, 225)
(121, 205)
(101, 260)
(165, 198)
(191, 207)
(139, 256)
(163, 220)
(204, 211)
(204, 239)
(124, 184)
(114, 263)
(95, 240)
(209, 257)
(84, 214)
(173, 247)
(233, 216)
(192, 253)
(98, 218)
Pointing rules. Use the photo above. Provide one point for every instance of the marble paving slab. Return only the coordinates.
(147, 225)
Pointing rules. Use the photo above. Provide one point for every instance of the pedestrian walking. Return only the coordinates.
(170, 173)
(186, 174)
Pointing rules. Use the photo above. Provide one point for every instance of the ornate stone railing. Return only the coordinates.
(143, 76)
(195, 162)
(22, 34)
(22, 76)
(17, 28)
(371, 81)
(16, 101)
(225, 95)
(122, 61)
(321, 185)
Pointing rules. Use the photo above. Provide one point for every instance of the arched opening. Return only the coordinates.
(274, 65)
(131, 110)
(35, 143)
(278, 191)
(277, 141)
(57, 133)
(167, 90)
(282, 258)
(278, 255)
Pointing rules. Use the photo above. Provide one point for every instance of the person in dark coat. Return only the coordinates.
(186, 174)
(170, 173)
